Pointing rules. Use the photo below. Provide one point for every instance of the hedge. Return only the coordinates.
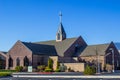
(3, 74)
(3, 70)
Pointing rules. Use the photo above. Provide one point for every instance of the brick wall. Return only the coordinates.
(76, 66)
(18, 51)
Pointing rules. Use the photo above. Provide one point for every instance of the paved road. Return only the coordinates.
(63, 78)
(11, 78)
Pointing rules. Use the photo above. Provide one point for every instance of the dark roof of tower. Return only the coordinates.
(61, 29)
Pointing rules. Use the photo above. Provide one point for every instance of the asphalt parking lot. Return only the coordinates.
(12, 78)
(62, 78)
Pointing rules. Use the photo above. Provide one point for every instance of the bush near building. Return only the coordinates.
(108, 67)
(58, 67)
(3, 70)
(41, 68)
(18, 68)
(70, 70)
(63, 68)
(89, 70)
(3, 74)
(49, 67)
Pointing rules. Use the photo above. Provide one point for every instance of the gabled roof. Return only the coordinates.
(92, 50)
(60, 47)
(3, 53)
(41, 49)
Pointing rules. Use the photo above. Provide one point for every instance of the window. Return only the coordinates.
(76, 48)
(17, 62)
(58, 36)
(10, 60)
(26, 61)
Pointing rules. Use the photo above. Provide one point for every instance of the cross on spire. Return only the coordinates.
(60, 16)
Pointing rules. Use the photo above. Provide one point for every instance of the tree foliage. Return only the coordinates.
(50, 63)
(89, 70)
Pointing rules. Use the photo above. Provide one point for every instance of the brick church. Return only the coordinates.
(72, 52)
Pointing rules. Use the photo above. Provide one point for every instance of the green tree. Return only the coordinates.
(58, 65)
(89, 70)
(50, 63)
(49, 68)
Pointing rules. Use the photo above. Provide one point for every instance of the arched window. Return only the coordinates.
(26, 61)
(10, 60)
(58, 36)
(76, 48)
(17, 62)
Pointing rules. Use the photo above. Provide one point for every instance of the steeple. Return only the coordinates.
(61, 35)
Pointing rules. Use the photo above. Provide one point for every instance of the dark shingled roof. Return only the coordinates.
(60, 47)
(41, 49)
(3, 52)
(92, 49)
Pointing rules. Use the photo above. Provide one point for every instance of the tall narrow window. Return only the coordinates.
(17, 62)
(76, 48)
(10, 60)
(58, 36)
(26, 61)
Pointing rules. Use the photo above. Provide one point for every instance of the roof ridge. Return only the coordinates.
(54, 40)
(99, 44)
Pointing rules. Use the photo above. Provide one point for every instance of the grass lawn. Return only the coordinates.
(4, 73)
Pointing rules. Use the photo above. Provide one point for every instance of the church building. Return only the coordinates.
(72, 52)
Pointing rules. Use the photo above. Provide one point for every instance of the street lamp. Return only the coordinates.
(98, 64)
(112, 50)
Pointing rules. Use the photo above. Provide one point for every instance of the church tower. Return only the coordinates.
(60, 35)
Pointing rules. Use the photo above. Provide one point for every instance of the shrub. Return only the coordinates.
(89, 70)
(41, 68)
(48, 69)
(25, 68)
(50, 63)
(3, 74)
(3, 70)
(108, 67)
(57, 70)
(18, 68)
(70, 70)
(63, 68)
(34, 70)
(58, 65)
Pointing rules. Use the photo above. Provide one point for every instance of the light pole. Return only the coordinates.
(98, 63)
(112, 50)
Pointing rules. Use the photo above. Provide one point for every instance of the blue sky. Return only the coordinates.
(97, 21)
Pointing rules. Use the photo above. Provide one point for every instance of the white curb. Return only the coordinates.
(56, 76)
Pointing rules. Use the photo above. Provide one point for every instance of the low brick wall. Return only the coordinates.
(76, 66)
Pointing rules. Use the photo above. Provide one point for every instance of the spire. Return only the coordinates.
(61, 35)
(60, 17)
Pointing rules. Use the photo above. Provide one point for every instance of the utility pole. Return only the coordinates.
(112, 50)
(98, 62)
